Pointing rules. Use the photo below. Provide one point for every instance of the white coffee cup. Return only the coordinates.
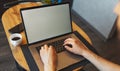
(15, 39)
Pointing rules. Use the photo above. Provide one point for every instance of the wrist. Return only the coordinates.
(86, 53)
(49, 68)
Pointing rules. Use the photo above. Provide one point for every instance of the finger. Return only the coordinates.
(69, 39)
(46, 46)
(67, 42)
(52, 48)
(40, 51)
(42, 48)
(68, 48)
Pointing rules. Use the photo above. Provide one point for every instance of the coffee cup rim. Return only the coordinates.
(15, 42)
(15, 35)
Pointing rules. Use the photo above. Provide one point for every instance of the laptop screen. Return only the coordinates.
(46, 22)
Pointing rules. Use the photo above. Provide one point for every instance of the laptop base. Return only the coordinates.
(70, 67)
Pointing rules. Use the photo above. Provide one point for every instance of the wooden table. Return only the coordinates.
(11, 17)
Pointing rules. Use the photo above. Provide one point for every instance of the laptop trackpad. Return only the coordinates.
(66, 59)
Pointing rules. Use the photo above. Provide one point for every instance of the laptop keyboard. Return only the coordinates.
(57, 44)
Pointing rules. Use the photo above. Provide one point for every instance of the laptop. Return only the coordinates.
(50, 24)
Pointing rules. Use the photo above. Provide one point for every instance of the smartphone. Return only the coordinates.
(17, 29)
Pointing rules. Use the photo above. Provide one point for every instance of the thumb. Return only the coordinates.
(68, 48)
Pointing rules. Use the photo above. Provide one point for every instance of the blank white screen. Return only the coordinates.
(46, 22)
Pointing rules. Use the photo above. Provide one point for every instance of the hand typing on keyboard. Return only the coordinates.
(75, 46)
(49, 58)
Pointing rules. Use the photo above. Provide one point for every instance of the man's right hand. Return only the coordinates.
(77, 46)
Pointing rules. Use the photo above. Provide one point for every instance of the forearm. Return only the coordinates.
(101, 63)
